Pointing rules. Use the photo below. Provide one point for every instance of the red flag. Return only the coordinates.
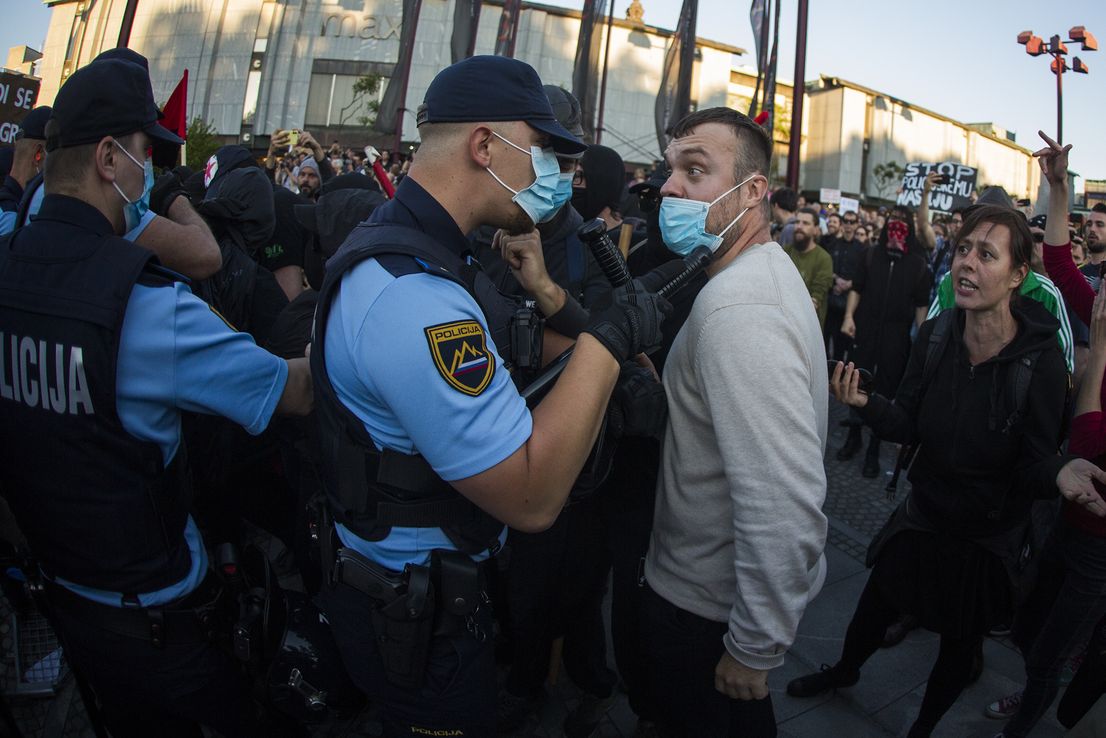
(174, 116)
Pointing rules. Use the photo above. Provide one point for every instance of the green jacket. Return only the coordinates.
(1036, 287)
(816, 269)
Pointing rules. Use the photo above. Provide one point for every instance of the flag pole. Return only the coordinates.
(798, 88)
(603, 84)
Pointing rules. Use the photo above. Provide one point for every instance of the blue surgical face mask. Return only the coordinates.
(134, 210)
(684, 222)
(562, 195)
(539, 199)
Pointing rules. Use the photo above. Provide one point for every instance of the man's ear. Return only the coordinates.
(106, 159)
(757, 192)
(479, 144)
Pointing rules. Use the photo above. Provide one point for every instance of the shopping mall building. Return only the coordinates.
(259, 65)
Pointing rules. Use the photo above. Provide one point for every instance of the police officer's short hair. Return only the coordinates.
(66, 167)
(754, 148)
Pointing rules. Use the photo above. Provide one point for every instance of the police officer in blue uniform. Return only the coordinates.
(428, 448)
(100, 350)
(28, 157)
(167, 223)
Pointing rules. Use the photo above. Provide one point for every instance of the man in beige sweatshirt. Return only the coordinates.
(737, 546)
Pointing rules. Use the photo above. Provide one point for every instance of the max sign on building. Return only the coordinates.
(17, 97)
(349, 24)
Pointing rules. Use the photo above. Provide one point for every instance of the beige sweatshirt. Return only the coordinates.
(739, 531)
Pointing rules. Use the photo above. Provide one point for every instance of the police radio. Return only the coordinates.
(526, 338)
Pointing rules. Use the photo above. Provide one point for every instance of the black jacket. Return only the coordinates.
(969, 476)
(240, 212)
(847, 256)
(890, 292)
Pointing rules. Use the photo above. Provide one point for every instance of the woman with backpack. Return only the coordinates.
(982, 399)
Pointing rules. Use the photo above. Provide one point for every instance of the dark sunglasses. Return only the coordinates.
(849, 221)
(1038, 237)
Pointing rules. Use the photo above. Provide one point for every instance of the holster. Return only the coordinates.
(413, 607)
(403, 615)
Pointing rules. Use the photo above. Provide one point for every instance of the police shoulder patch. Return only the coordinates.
(460, 352)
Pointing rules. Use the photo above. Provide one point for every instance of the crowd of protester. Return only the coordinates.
(950, 334)
(303, 163)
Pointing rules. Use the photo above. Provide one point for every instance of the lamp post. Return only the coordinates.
(1057, 49)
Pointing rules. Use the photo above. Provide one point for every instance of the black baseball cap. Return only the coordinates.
(494, 88)
(655, 181)
(33, 124)
(108, 97)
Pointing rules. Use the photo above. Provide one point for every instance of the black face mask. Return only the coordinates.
(648, 203)
(582, 204)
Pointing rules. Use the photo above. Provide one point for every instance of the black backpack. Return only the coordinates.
(1016, 391)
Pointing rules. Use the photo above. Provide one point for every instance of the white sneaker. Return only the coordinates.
(1004, 707)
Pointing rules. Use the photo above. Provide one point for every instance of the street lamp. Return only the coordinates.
(1057, 49)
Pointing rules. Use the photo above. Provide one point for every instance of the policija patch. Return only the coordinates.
(460, 352)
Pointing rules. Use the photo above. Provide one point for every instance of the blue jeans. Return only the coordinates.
(1058, 617)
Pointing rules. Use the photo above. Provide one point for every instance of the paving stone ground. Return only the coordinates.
(884, 703)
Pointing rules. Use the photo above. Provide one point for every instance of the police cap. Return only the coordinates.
(494, 88)
(108, 97)
(33, 124)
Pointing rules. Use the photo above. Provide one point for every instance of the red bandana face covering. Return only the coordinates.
(897, 232)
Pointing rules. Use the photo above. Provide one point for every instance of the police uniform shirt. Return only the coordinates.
(381, 360)
(36, 199)
(175, 354)
(36, 203)
(10, 194)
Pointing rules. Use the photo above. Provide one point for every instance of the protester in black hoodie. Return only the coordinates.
(239, 208)
(951, 554)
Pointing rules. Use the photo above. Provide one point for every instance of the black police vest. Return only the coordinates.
(95, 503)
(370, 490)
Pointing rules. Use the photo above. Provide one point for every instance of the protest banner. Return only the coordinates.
(849, 205)
(829, 196)
(944, 198)
(17, 97)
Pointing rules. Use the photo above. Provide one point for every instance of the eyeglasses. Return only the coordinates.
(849, 221)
